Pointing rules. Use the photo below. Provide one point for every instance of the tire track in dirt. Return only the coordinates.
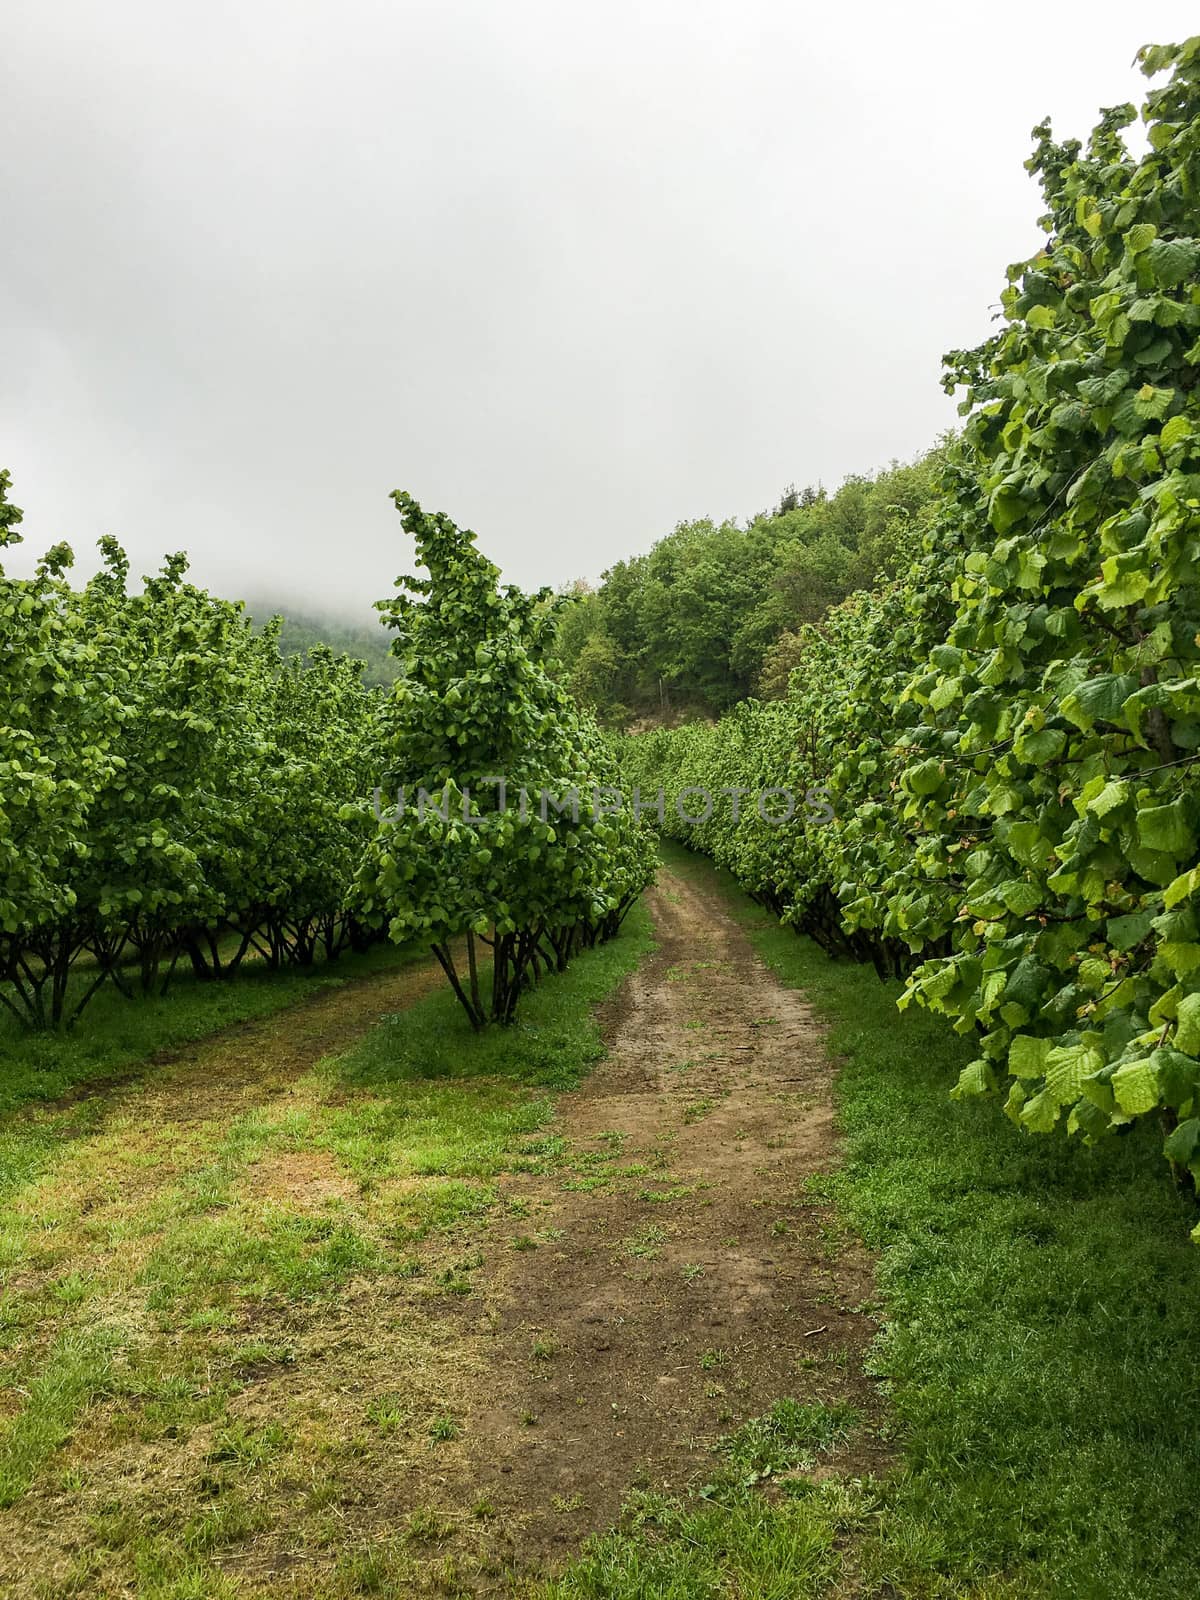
(239, 1060)
(691, 1279)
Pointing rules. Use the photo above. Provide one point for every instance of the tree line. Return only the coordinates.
(174, 788)
(711, 613)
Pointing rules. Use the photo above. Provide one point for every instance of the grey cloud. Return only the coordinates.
(570, 273)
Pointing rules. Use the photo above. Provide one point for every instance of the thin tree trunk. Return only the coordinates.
(447, 964)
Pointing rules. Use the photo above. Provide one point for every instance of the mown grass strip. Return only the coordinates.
(420, 1099)
(118, 1034)
(76, 1371)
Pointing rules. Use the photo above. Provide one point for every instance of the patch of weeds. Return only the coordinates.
(452, 1282)
(819, 1186)
(426, 1525)
(387, 1412)
(257, 1250)
(438, 1206)
(209, 1319)
(229, 1519)
(646, 1243)
(77, 1371)
(691, 1272)
(244, 1446)
(256, 1354)
(670, 1550)
(444, 1428)
(323, 1492)
(371, 1569)
(545, 1349)
(523, 1241)
(792, 1434)
(695, 1110)
(71, 1288)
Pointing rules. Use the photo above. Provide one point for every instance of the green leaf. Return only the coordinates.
(1175, 431)
(1183, 1141)
(1187, 1025)
(1113, 795)
(1173, 261)
(974, 1080)
(1182, 888)
(1040, 1114)
(1165, 828)
(1124, 933)
(1066, 1068)
(1153, 403)
(1019, 898)
(1135, 1086)
(1027, 1056)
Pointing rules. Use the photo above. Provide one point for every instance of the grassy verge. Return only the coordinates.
(117, 1034)
(1038, 1346)
(215, 1327)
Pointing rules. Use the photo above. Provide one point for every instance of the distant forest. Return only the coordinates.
(711, 613)
(367, 641)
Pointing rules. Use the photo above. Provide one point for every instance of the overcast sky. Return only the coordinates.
(569, 273)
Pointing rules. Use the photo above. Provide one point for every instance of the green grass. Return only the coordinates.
(1039, 1350)
(741, 1546)
(790, 1435)
(551, 1044)
(76, 1370)
(116, 1035)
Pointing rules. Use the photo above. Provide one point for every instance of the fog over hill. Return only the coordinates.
(361, 634)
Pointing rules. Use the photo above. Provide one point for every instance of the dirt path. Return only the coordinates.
(211, 1079)
(691, 1277)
